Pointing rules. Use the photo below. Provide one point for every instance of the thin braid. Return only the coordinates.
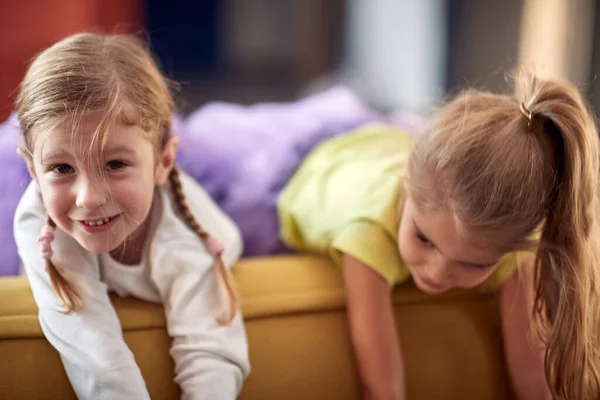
(65, 291)
(190, 221)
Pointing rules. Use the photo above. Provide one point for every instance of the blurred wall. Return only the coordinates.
(395, 52)
(184, 34)
(557, 39)
(29, 26)
(483, 42)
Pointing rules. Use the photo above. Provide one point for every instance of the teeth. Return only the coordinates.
(98, 222)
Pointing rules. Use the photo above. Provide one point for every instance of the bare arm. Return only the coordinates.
(373, 331)
(524, 354)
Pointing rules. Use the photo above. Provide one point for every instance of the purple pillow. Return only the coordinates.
(13, 182)
(244, 155)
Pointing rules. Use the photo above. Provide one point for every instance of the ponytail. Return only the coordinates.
(567, 304)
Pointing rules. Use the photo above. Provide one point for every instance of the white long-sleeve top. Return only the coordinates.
(211, 361)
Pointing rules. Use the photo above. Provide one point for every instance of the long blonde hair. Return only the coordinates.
(508, 165)
(116, 75)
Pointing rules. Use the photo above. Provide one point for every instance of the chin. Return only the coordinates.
(98, 246)
(429, 287)
(432, 291)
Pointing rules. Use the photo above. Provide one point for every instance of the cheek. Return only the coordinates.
(134, 194)
(56, 198)
(471, 278)
(410, 251)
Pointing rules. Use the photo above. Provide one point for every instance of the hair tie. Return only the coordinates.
(528, 114)
(44, 241)
(214, 246)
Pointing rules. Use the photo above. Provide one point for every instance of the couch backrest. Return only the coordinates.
(298, 339)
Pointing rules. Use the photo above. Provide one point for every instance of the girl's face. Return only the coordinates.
(99, 202)
(438, 255)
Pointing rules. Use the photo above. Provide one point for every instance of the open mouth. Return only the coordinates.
(99, 222)
(98, 225)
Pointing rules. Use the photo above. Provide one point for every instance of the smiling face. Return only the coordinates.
(100, 198)
(438, 255)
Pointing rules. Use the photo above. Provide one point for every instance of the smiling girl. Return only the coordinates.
(114, 214)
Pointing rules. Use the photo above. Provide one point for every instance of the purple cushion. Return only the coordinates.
(13, 182)
(242, 155)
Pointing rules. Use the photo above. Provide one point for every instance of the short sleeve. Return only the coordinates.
(371, 244)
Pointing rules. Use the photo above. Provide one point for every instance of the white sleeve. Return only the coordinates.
(90, 342)
(211, 361)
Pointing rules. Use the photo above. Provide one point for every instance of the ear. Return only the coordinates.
(27, 157)
(166, 161)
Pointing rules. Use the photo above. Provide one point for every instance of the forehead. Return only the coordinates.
(83, 136)
(441, 228)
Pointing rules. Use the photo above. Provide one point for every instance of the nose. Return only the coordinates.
(91, 193)
(437, 268)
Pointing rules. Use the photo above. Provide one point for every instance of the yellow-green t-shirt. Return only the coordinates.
(345, 196)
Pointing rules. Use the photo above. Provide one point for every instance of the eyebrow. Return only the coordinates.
(420, 232)
(54, 156)
(124, 148)
(61, 153)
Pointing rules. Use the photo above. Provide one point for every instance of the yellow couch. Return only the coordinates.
(299, 342)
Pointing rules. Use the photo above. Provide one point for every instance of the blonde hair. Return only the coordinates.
(114, 75)
(508, 165)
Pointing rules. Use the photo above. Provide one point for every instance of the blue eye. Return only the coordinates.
(62, 169)
(115, 165)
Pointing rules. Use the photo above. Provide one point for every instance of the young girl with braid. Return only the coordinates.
(499, 191)
(113, 213)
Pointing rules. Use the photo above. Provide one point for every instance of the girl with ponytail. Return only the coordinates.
(501, 192)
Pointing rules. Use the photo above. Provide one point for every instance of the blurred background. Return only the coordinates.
(401, 57)
(396, 54)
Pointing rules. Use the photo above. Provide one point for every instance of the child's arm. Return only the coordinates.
(211, 361)
(96, 359)
(524, 354)
(373, 331)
